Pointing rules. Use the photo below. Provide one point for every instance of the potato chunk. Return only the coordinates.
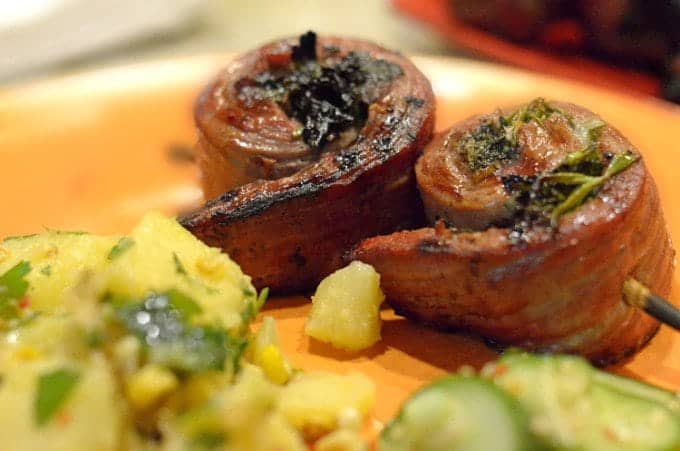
(346, 308)
(160, 254)
(317, 403)
(59, 261)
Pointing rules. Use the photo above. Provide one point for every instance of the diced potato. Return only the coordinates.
(198, 389)
(59, 260)
(105, 355)
(243, 413)
(315, 402)
(44, 337)
(90, 419)
(149, 386)
(162, 255)
(341, 440)
(159, 255)
(346, 308)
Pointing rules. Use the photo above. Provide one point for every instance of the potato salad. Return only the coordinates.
(143, 342)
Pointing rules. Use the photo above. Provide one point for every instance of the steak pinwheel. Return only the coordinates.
(306, 147)
(540, 215)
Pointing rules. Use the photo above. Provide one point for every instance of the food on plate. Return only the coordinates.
(143, 342)
(346, 308)
(317, 403)
(575, 406)
(540, 214)
(629, 33)
(532, 402)
(341, 440)
(459, 413)
(265, 351)
(306, 146)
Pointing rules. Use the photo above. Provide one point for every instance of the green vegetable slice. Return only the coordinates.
(573, 406)
(459, 413)
(54, 389)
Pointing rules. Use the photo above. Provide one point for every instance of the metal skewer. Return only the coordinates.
(638, 295)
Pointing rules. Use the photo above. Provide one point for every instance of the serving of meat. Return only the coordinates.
(540, 215)
(305, 148)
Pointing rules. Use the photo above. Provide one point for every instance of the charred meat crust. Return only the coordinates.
(292, 231)
(559, 290)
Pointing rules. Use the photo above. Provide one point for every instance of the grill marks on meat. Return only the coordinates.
(286, 211)
(558, 288)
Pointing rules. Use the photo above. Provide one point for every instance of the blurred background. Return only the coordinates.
(629, 45)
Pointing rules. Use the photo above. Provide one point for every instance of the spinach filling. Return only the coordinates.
(540, 199)
(487, 146)
(494, 142)
(327, 100)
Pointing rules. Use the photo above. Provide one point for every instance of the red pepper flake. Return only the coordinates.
(499, 370)
(63, 419)
(25, 303)
(610, 435)
(279, 58)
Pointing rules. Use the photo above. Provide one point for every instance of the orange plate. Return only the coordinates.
(90, 152)
(438, 15)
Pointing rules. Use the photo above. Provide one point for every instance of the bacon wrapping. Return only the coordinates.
(305, 148)
(540, 214)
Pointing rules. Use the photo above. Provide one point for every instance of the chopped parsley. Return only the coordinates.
(54, 389)
(162, 322)
(544, 198)
(179, 267)
(253, 306)
(209, 440)
(123, 245)
(13, 287)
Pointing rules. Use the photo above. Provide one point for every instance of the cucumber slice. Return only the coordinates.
(631, 387)
(458, 413)
(576, 407)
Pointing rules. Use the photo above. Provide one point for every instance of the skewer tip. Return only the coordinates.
(639, 296)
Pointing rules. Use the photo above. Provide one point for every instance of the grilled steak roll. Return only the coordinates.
(310, 147)
(540, 215)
